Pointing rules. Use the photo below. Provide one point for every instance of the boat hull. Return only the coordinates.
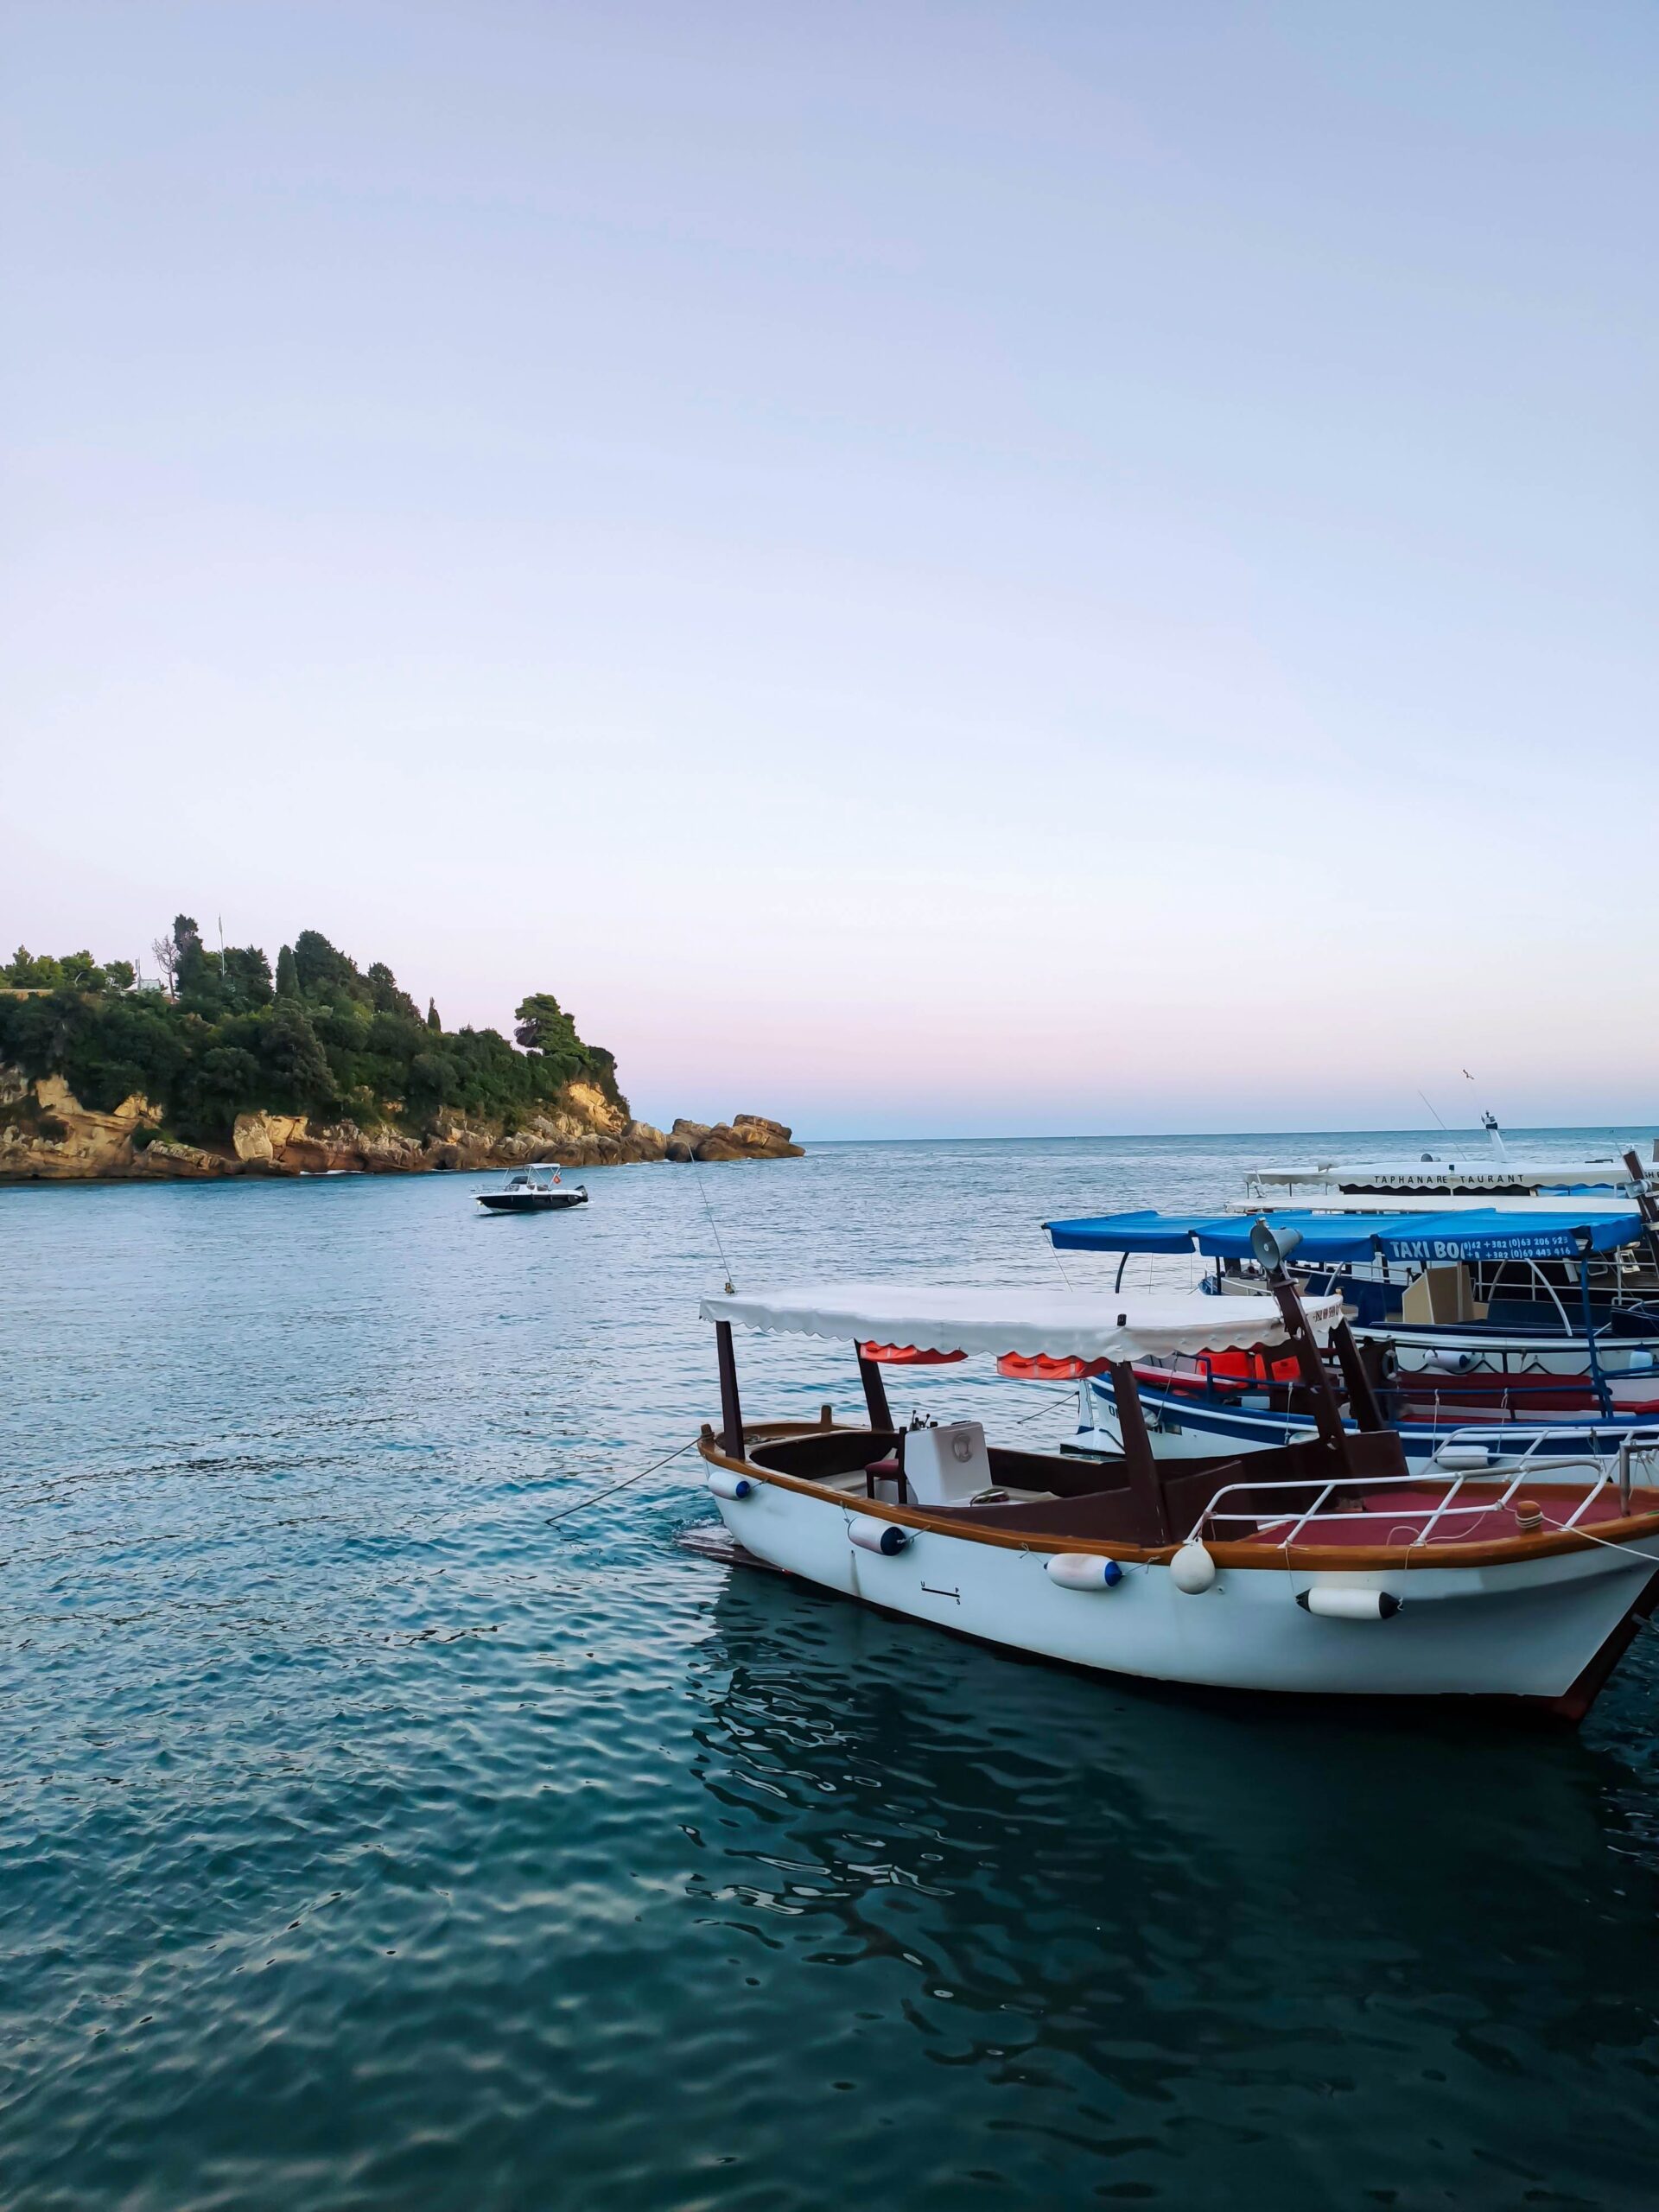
(1536, 1628)
(536, 1202)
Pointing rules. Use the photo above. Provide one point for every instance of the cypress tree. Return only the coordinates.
(288, 973)
(432, 1021)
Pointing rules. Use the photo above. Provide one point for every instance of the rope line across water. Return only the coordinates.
(611, 1489)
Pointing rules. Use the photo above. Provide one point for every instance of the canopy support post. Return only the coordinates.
(1362, 1392)
(1327, 1414)
(731, 1411)
(1646, 1204)
(1604, 1396)
(1139, 1465)
(875, 1390)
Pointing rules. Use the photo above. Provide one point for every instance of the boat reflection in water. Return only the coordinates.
(1117, 1942)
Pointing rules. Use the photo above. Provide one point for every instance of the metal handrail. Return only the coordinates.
(1481, 1432)
(1446, 1509)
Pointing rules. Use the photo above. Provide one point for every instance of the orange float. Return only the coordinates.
(1039, 1367)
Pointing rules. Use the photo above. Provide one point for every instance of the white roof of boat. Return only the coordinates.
(1479, 1167)
(1017, 1318)
(1324, 1200)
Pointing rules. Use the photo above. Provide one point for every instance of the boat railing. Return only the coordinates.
(1479, 1435)
(1607, 1469)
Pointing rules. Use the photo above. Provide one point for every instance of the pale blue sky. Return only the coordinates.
(930, 570)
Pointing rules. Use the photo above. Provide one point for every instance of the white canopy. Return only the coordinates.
(1064, 1325)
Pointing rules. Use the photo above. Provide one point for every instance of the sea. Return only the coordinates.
(395, 1813)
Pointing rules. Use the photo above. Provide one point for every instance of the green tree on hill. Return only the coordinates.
(324, 1039)
(75, 971)
(297, 1075)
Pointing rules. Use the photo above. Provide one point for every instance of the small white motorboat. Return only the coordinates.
(1324, 1567)
(534, 1190)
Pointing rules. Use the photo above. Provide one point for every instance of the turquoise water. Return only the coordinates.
(371, 1839)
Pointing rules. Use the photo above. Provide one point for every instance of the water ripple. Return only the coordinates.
(371, 1840)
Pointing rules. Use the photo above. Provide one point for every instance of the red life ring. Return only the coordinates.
(1040, 1367)
(907, 1355)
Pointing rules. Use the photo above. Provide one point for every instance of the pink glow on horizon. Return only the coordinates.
(1088, 576)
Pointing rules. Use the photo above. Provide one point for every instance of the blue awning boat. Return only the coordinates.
(1327, 1239)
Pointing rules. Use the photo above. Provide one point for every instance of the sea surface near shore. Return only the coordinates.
(374, 1839)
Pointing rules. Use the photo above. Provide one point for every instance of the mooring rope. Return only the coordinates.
(1578, 1528)
(726, 1265)
(611, 1489)
(1058, 1398)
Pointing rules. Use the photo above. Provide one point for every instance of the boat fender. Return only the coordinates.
(725, 1484)
(1082, 1571)
(1639, 1363)
(873, 1535)
(1336, 1603)
(1193, 1569)
(1452, 1362)
(1463, 1458)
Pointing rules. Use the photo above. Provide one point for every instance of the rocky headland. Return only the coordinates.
(227, 1070)
(48, 1135)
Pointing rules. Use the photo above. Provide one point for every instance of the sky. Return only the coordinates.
(978, 569)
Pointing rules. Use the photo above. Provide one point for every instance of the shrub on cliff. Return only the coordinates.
(547, 1030)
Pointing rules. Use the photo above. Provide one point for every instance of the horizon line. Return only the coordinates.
(1126, 1136)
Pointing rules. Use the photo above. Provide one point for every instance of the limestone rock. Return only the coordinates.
(261, 1140)
(717, 1145)
(46, 1134)
(183, 1162)
(756, 1129)
(749, 1136)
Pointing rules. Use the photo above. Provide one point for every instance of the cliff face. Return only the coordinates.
(47, 1135)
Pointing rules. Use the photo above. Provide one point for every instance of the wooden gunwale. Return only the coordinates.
(1548, 1543)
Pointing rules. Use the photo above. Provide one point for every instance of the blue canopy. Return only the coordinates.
(1329, 1239)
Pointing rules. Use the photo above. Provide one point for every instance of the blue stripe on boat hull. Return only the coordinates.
(1171, 1417)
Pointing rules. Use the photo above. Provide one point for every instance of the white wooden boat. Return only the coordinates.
(1325, 1567)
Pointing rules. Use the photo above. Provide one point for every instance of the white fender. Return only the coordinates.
(873, 1535)
(1463, 1458)
(1082, 1571)
(1193, 1569)
(725, 1484)
(1334, 1602)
